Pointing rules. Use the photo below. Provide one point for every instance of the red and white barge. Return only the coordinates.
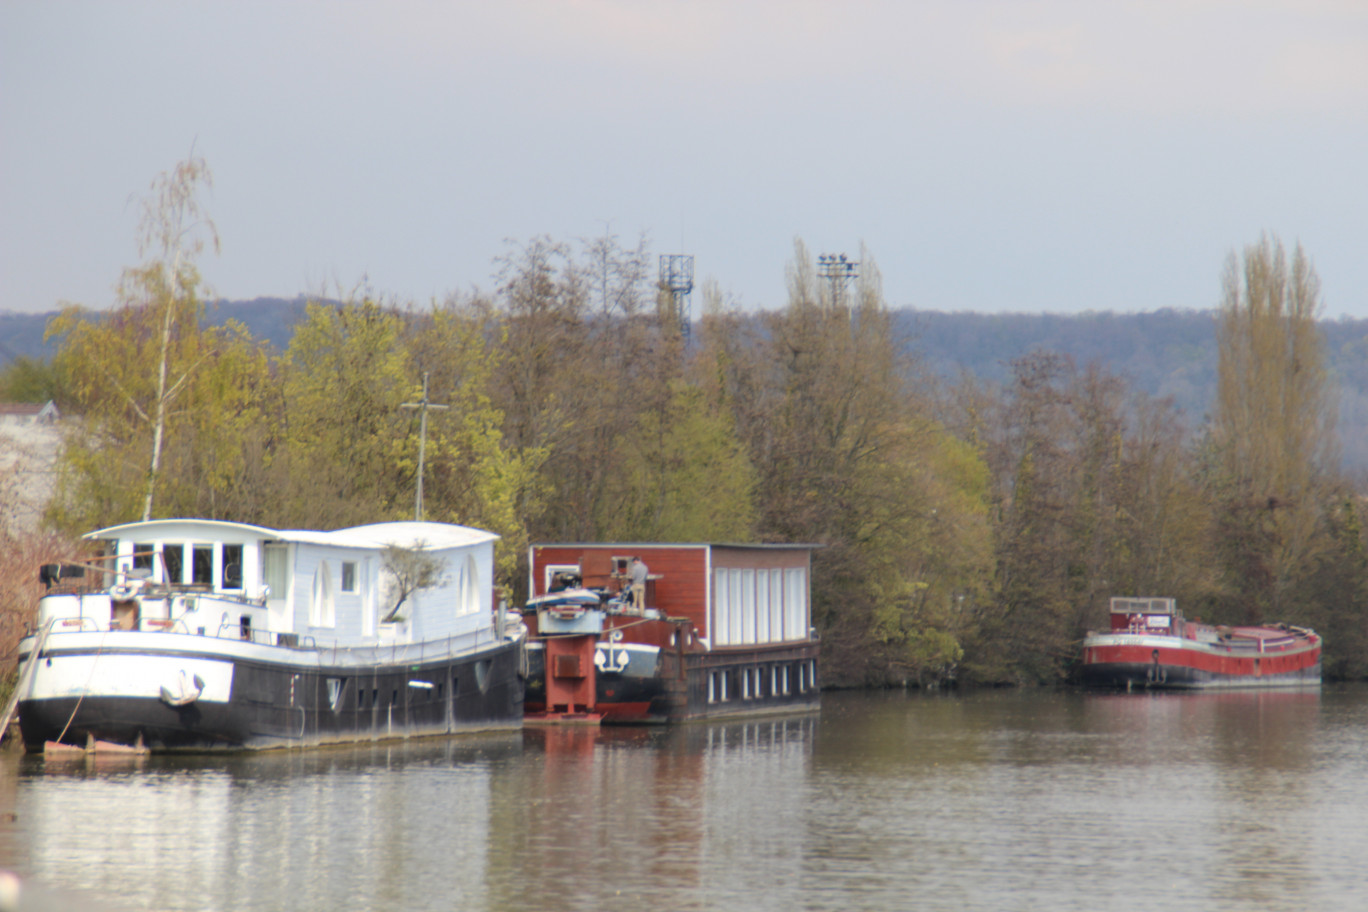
(1151, 645)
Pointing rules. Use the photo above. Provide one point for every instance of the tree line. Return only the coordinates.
(969, 531)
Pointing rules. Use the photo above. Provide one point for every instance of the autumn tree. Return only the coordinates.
(162, 403)
(475, 476)
(1093, 496)
(1272, 442)
(345, 375)
(843, 454)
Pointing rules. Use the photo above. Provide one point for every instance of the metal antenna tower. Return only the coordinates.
(676, 277)
(838, 271)
(422, 405)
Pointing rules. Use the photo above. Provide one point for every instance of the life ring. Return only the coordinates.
(122, 592)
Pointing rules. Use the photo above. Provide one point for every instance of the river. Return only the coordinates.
(989, 800)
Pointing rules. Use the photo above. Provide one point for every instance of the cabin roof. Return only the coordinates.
(434, 536)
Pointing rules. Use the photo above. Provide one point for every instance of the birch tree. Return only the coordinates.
(174, 231)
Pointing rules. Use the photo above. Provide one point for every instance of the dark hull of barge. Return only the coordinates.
(669, 686)
(280, 705)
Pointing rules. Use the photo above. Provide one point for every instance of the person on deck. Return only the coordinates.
(637, 575)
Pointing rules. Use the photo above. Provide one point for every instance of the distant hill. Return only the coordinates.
(1164, 353)
(1167, 353)
(270, 319)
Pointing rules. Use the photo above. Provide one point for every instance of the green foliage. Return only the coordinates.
(345, 376)
(685, 475)
(474, 477)
(34, 380)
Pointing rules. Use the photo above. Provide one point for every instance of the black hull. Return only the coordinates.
(282, 706)
(1144, 675)
(690, 686)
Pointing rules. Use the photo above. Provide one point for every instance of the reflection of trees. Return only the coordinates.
(628, 816)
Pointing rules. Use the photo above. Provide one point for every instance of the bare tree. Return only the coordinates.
(411, 570)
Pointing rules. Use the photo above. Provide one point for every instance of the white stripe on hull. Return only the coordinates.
(127, 675)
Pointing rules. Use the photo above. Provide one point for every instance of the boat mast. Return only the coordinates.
(422, 405)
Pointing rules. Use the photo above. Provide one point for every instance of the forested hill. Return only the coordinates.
(1164, 353)
(1167, 353)
(269, 319)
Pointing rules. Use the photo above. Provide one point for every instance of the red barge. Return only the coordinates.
(717, 630)
(1150, 644)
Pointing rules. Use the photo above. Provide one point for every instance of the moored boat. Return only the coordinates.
(715, 630)
(202, 635)
(1151, 645)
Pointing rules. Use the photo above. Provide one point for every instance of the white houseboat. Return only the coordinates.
(191, 634)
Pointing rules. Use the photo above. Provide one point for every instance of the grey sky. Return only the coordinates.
(1040, 156)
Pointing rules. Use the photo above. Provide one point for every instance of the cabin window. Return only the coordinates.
(202, 565)
(747, 600)
(561, 576)
(737, 619)
(468, 587)
(231, 577)
(762, 607)
(142, 559)
(276, 570)
(173, 555)
(722, 608)
(795, 604)
(348, 576)
(322, 607)
(776, 605)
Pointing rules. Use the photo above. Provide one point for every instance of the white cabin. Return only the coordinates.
(279, 587)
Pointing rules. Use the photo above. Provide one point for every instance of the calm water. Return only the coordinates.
(1004, 800)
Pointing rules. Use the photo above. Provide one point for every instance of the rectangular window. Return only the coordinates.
(721, 620)
(276, 570)
(748, 606)
(776, 605)
(762, 608)
(173, 555)
(737, 610)
(202, 565)
(231, 577)
(348, 576)
(142, 559)
(795, 604)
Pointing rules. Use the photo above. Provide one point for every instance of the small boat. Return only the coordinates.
(715, 630)
(1151, 645)
(194, 635)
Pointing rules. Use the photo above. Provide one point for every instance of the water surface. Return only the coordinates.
(989, 800)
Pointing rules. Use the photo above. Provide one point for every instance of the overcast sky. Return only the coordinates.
(1054, 156)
